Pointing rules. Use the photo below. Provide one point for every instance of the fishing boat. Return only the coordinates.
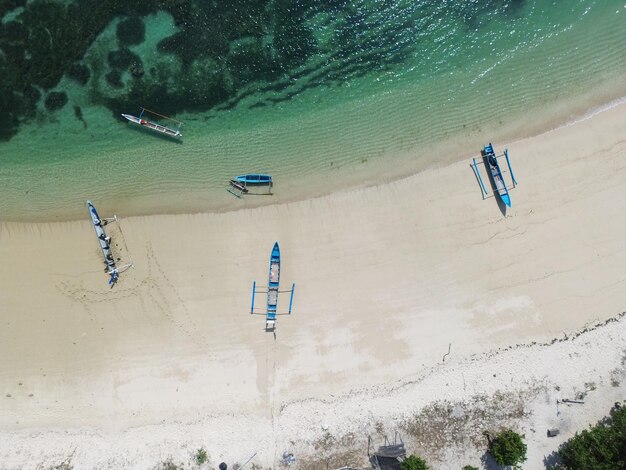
(490, 160)
(237, 189)
(272, 290)
(153, 125)
(239, 185)
(496, 174)
(255, 179)
(104, 242)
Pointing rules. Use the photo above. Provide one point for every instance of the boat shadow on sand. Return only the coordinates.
(494, 189)
(151, 133)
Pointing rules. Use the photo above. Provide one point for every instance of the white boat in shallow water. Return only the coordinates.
(153, 125)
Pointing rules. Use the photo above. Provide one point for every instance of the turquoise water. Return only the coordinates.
(322, 96)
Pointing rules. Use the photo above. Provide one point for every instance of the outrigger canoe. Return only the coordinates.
(239, 185)
(153, 126)
(103, 240)
(254, 178)
(496, 174)
(272, 291)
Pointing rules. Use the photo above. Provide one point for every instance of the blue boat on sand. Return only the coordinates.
(272, 291)
(496, 174)
(491, 161)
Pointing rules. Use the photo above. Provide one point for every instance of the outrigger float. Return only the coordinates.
(239, 185)
(153, 126)
(272, 291)
(490, 159)
(105, 244)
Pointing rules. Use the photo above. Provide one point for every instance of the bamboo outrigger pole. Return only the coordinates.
(161, 115)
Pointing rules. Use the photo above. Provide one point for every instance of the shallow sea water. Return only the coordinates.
(376, 90)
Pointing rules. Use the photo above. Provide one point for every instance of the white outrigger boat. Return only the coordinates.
(153, 125)
(105, 244)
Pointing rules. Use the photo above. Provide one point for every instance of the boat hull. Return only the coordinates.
(254, 179)
(496, 175)
(153, 126)
(273, 283)
(107, 254)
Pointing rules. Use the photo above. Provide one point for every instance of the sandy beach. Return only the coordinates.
(419, 308)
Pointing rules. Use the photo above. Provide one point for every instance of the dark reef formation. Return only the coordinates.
(122, 59)
(78, 112)
(79, 73)
(55, 100)
(131, 31)
(43, 42)
(114, 78)
(261, 51)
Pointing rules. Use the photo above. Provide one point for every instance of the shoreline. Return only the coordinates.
(388, 277)
(347, 176)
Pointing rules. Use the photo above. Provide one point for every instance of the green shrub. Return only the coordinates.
(508, 448)
(413, 462)
(201, 456)
(601, 447)
(469, 467)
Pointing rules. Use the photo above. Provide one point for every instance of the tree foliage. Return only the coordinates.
(602, 447)
(413, 462)
(508, 448)
(469, 467)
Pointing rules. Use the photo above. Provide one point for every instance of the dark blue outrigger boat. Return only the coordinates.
(491, 161)
(272, 290)
(105, 244)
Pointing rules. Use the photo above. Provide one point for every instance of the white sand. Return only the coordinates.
(388, 279)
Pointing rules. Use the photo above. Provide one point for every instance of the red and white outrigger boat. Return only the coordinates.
(153, 125)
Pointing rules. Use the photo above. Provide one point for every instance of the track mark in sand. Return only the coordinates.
(192, 331)
(501, 235)
(76, 293)
(151, 292)
(270, 368)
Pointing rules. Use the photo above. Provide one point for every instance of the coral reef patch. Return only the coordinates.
(55, 100)
(114, 78)
(122, 59)
(131, 31)
(218, 55)
(79, 73)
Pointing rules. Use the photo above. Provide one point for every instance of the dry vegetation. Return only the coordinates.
(443, 425)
